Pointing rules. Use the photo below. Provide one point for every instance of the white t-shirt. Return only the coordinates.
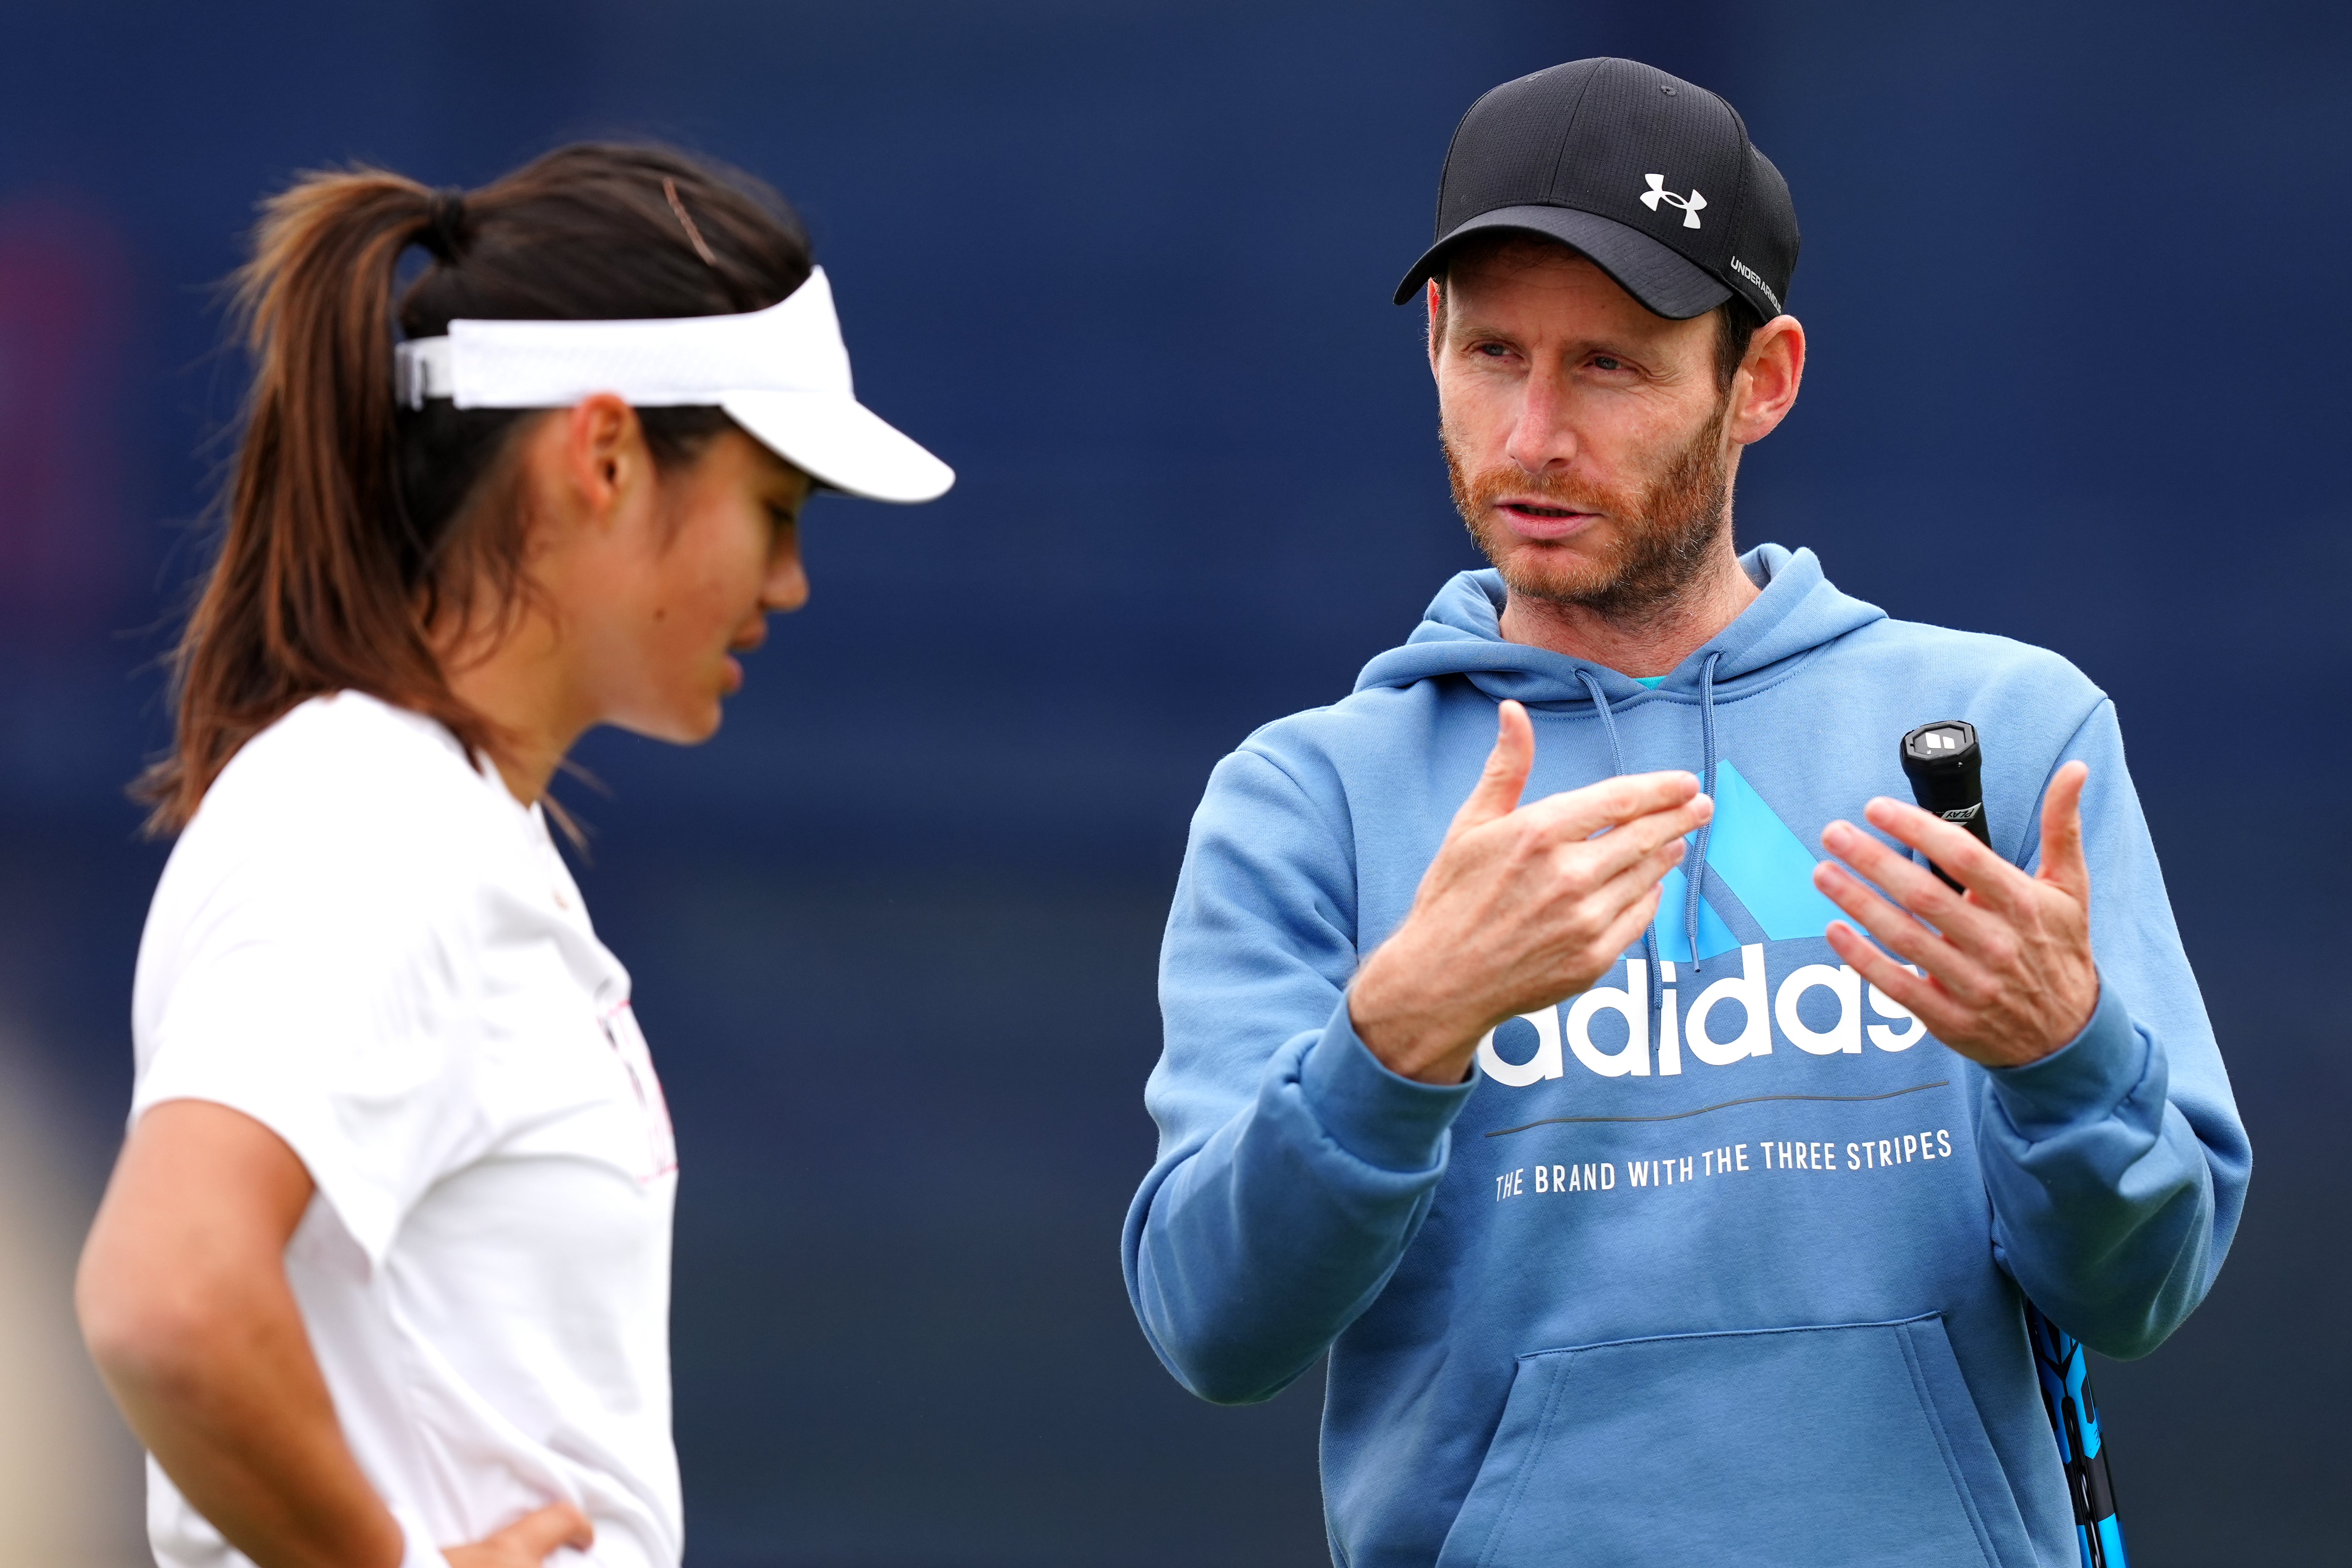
(374, 951)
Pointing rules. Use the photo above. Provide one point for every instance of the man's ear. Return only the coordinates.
(1436, 302)
(1766, 386)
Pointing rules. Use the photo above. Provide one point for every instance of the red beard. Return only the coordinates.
(1663, 536)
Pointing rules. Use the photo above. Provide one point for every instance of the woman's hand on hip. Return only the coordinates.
(527, 1543)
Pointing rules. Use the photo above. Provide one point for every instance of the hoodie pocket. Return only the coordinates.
(1850, 1443)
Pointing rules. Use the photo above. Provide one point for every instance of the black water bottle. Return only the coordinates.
(1946, 774)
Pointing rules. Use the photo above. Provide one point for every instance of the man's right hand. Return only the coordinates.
(527, 1543)
(1523, 907)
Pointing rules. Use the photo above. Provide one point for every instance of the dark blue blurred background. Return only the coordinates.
(2072, 275)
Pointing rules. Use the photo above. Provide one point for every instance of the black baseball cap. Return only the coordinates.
(1653, 178)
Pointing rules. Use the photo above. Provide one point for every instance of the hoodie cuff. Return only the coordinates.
(2082, 1082)
(1383, 1120)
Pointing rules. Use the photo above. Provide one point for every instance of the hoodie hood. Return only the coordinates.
(1461, 634)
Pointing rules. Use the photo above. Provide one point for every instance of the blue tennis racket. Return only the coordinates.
(2081, 1445)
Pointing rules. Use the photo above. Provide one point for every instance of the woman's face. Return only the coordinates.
(696, 564)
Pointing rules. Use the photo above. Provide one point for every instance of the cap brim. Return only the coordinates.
(841, 444)
(1666, 284)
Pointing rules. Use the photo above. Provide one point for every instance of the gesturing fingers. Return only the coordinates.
(1649, 870)
(1622, 931)
(1905, 987)
(1891, 924)
(1600, 920)
(1640, 839)
(1504, 777)
(1956, 850)
(1613, 801)
(2063, 865)
(1906, 882)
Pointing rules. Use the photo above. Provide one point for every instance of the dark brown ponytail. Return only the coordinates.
(352, 524)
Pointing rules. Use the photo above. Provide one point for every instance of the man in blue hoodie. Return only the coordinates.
(1649, 1212)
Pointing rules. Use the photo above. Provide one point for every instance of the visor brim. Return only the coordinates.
(841, 444)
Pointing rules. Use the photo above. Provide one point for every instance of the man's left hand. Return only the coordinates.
(2009, 973)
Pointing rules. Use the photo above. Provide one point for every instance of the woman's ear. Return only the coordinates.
(603, 457)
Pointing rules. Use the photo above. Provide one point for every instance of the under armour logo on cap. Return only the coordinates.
(1658, 193)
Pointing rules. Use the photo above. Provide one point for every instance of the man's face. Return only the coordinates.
(1585, 435)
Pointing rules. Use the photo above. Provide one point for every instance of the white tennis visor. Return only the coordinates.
(782, 374)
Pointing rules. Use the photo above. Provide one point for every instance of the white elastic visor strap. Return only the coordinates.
(793, 346)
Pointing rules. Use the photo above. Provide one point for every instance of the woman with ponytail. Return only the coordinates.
(382, 1278)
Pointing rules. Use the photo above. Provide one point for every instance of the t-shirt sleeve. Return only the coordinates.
(319, 997)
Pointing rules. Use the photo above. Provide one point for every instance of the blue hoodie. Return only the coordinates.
(1720, 1261)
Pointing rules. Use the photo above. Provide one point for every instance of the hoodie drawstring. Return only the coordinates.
(1617, 763)
(1696, 874)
